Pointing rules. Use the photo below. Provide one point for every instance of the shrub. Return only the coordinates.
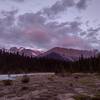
(96, 96)
(7, 82)
(71, 84)
(24, 88)
(25, 79)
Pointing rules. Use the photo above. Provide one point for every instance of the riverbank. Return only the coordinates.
(52, 87)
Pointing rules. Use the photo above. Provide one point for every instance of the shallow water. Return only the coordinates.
(13, 76)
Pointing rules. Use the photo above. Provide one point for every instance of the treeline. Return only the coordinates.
(15, 63)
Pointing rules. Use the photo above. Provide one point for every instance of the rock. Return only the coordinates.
(68, 96)
(38, 92)
(79, 90)
(35, 93)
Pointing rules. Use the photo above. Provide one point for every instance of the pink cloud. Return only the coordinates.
(37, 34)
(74, 42)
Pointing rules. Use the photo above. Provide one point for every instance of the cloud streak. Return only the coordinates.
(82, 4)
(17, 1)
(63, 5)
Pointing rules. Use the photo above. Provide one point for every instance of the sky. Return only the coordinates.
(44, 24)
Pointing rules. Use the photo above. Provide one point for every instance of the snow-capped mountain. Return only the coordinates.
(24, 51)
(13, 50)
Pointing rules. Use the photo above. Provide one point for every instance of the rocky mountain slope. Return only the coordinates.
(68, 54)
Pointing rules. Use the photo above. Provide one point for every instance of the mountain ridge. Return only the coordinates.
(70, 54)
(66, 54)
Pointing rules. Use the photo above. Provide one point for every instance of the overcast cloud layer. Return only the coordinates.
(63, 23)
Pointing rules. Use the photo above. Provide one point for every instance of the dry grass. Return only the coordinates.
(51, 85)
(82, 97)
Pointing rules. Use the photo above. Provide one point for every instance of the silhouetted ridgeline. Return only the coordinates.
(15, 63)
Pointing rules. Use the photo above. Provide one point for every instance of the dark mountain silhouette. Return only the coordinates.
(56, 56)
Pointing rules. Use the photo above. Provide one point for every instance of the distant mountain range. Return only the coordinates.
(55, 53)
